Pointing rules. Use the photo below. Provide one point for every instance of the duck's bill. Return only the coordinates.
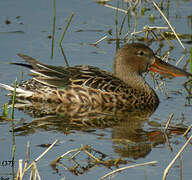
(162, 67)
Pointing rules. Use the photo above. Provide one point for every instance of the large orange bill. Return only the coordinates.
(162, 67)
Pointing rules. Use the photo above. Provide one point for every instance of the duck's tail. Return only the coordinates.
(20, 92)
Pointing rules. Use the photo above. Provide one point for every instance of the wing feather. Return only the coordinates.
(83, 75)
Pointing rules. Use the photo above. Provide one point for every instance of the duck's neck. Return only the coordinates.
(132, 78)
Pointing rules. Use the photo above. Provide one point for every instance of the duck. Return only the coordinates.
(91, 86)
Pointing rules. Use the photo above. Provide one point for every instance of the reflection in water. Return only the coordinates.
(129, 139)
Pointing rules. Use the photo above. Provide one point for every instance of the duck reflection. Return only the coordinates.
(128, 136)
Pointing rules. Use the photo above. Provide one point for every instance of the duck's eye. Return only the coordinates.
(140, 53)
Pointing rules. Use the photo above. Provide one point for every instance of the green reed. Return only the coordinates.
(53, 31)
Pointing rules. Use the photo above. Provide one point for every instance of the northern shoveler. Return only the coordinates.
(94, 87)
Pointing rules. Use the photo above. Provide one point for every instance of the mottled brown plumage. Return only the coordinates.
(91, 86)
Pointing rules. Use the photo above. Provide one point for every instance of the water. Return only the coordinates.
(136, 141)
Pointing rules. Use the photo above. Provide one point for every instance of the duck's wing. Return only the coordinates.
(81, 75)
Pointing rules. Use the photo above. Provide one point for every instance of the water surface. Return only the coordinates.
(134, 141)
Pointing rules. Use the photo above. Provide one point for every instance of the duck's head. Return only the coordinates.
(136, 58)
